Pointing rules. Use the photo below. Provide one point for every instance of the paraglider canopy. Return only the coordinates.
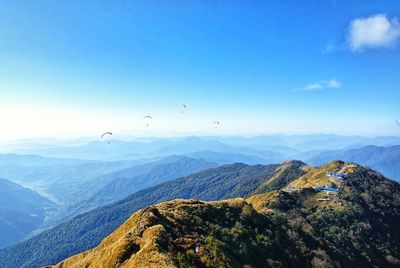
(105, 134)
(147, 118)
(184, 107)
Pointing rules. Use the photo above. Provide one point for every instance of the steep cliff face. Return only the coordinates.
(294, 226)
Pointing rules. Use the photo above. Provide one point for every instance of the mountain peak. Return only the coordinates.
(294, 162)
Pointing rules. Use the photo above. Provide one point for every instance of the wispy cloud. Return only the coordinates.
(329, 48)
(377, 31)
(323, 84)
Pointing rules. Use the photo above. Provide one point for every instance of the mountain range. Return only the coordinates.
(274, 147)
(357, 227)
(117, 185)
(76, 186)
(87, 230)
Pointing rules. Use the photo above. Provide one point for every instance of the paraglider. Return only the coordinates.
(184, 107)
(216, 124)
(147, 119)
(105, 134)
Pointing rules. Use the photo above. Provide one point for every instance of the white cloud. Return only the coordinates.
(313, 86)
(329, 48)
(333, 83)
(377, 31)
(323, 84)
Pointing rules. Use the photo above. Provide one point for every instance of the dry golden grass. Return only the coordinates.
(138, 242)
(133, 244)
(318, 176)
(260, 201)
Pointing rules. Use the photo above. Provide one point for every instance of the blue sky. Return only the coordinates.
(75, 68)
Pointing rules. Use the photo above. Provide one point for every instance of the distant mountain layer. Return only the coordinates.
(282, 146)
(128, 181)
(21, 211)
(384, 159)
(86, 180)
(61, 178)
(69, 181)
(35, 160)
(230, 158)
(126, 150)
(87, 230)
(122, 186)
(358, 227)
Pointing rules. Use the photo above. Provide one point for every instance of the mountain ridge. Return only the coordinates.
(384, 159)
(282, 229)
(127, 181)
(85, 231)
